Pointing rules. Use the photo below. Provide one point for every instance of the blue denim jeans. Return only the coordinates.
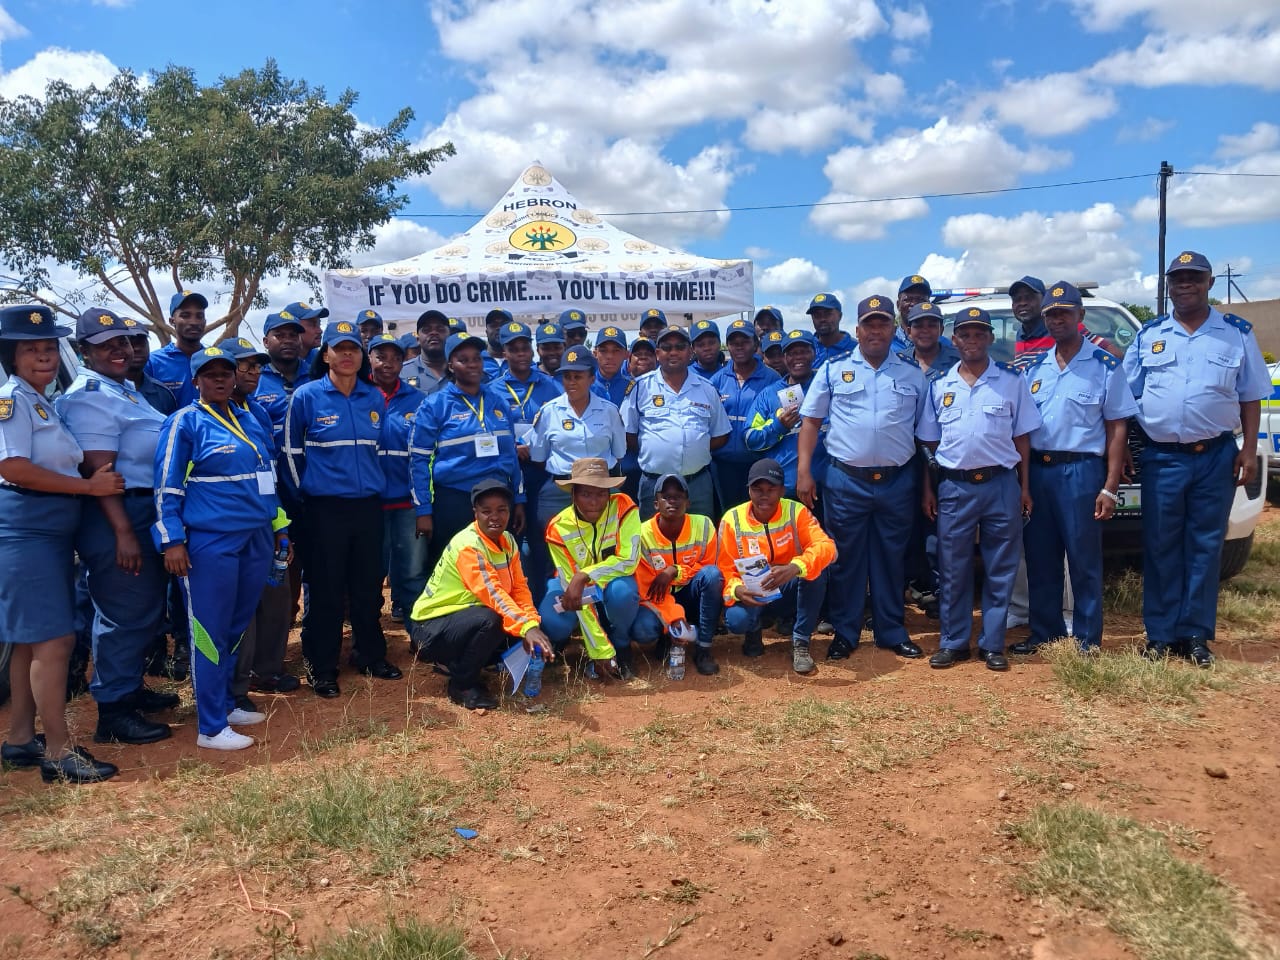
(405, 555)
(800, 598)
(702, 599)
(617, 610)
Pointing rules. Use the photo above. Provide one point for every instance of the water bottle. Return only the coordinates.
(279, 565)
(675, 662)
(533, 675)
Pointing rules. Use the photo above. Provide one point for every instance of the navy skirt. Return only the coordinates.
(37, 557)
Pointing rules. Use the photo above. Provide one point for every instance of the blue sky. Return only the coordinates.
(653, 105)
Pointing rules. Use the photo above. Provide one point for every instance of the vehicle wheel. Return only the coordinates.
(6, 654)
(1235, 554)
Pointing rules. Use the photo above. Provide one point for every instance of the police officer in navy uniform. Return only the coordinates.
(1197, 375)
(833, 343)
(550, 341)
(126, 576)
(426, 372)
(875, 400)
(912, 290)
(171, 364)
(675, 421)
(978, 423)
(574, 324)
(708, 354)
(1077, 456)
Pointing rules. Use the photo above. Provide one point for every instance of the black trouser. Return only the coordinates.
(451, 513)
(342, 562)
(463, 643)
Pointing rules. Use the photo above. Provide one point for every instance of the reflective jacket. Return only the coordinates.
(274, 392)
(766, 434)
(474, 571)
(792, 535)
(693, 549)
(739, 399)
(604, 551)
(331, 440)
(171, 367)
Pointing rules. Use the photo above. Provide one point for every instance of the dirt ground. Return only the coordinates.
(860, 812)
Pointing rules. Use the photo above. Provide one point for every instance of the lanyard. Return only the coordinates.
(527, 394)
(233, 426)
(479, 413)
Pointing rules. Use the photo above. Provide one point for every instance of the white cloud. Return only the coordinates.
(945, 158)
(1261, 138)
(1249, 57)
(1144, 131)
(884, 90)
(398, 239)
(775, 131)
(1051, 105)
(758, 253)
(796, 275)
(75, 69)
(1175, 16)
(912, 24)
(10, 29)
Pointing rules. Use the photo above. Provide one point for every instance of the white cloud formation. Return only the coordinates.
(1051, 105)
(775, 131)
(1175, 16)
(910, 24)
(10, 29)
(945, 158)
(1144, 131)
(793, 276)
(1249, 57)
(1262, 137)
(398, 239)
(74, 68)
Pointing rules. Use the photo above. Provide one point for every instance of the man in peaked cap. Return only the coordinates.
(912, 290)
(833, 343)
(370, 322)
(1197, 375)
(766, 320)
(574, 324)
(550, 341)
(171, 364)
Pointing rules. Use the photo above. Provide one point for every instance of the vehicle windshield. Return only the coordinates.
(1109, 322)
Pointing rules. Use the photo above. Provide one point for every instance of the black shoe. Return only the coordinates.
(382, 670)
(705, 662)
(19, 756)
(995, 661)
(326, 688)
(1024, 648)
(397, 614)
(78, 766)
(1200, 655)
(840, 650)
(125, 724)
(473, 698)
(245, 704)
(932, 609)
(1156, 652)
(276, 683)
(153, 701)
(753, 644)
(907, 649)
(622, 656)
(948, 658)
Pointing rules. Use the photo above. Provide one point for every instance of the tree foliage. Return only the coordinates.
(152, 186)
(1141, 312)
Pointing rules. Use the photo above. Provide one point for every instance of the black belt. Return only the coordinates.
(1051, 458)
(1196, 446)
(976, 475)
(687, 476)
(28, 492)
(139, 492)
(869, 474)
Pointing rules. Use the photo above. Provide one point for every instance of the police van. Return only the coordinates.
(1107, 318)
(1269, 434)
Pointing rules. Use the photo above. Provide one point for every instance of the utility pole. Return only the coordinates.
(1232, 276)
(1166, 171)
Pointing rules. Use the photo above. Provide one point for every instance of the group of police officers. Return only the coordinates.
(896, 446)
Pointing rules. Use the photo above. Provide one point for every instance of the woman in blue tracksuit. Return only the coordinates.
(218, 521)
(333, 430)
(461, 434)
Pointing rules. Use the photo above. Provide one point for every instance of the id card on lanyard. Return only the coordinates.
(265, 477)
(523, 427)
(486, 442)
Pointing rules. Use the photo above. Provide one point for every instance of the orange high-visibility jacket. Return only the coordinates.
(473, 570)
(693, 549)
(792, 535)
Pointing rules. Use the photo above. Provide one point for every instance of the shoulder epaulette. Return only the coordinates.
(1107, 359)
(1009, 367)
(906, 359)
(1240, 323)
(1035, 362)
(91, 385)
(630, 387)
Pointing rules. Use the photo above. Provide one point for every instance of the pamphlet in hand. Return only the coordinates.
(590, 594)
(682, 631)
(791, 397)
(753, 570)
(516, 662)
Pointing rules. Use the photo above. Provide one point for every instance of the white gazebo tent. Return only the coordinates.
(539, 252)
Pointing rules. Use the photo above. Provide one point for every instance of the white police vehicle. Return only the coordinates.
(1269, 434)
(1109, 319)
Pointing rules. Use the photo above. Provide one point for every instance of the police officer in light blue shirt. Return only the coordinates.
(171, 364)
(911, 291)
(1197, 376)
(875, 401)
(1077, 456)
(113, 423)
(425, 372)
(675, 420)
(574, 324)
(833, 343)
(977, 424)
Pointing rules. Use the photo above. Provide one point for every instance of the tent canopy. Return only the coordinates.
(539, 252)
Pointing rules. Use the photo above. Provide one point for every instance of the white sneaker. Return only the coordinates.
(245, 718)
(228, 739)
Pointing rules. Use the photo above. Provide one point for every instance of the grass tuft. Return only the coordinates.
(407, 939)
(1127, 677)
(1167, 908)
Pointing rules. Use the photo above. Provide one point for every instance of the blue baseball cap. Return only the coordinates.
(876, 305)
(514, 330)
(611, 335)
(578, 357)
(369, 316)
(573, 319)
(457, 340)
(824, 301)
(242, 349)
(432, 316)
(505, 315)
(1034, 284)
(97, 325)
(703, 327)
(389, 340)
(456, 325)
(282, 319)
(653, 314)
(743, 328)
(341, 331)
(674, 330)
(1062, 294)
(29, 321)
(642, 343)
(1190, 260)
(202, 358)
(182, 296)
(408, 341)
(771, 311)
(798, 336)
(550, 333)
(915, 280)
(924, 310)
(774, 339)
(971, 316)
(304, 311)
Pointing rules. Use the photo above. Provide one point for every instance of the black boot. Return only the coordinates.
(121, 722)
(147, 700)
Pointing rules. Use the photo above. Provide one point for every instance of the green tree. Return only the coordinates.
(146, 188)
(1141, 313)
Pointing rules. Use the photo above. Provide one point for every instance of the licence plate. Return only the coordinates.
(1130, 499)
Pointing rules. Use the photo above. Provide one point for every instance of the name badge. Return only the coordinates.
(266, 482)
(524, 433)
(486, 445)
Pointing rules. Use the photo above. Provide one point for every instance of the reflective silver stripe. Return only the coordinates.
(393, 453)
(166, 464)
(422, 451)
(470, 438)
(176, 491)
(340, 443)
(236, 478)
(291, 452)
